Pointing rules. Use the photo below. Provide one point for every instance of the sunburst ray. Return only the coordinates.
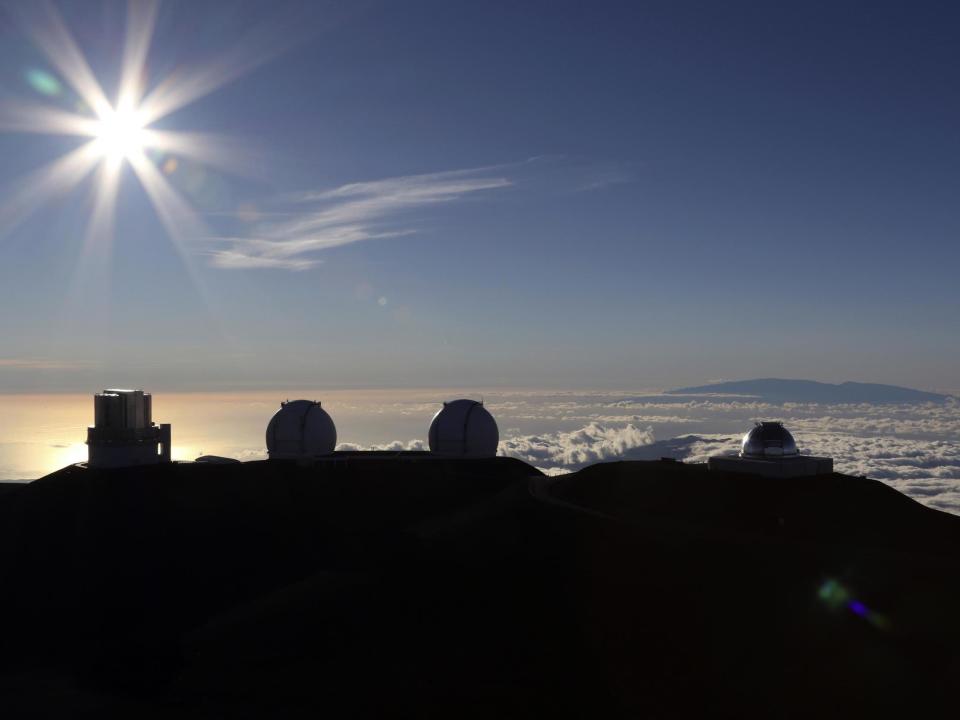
(175, 214)
(141, 19)
(228, 154)
(43, 23)
(117, 134)
(18, 116)
(89, 289)
(57, 177)
(186, 87)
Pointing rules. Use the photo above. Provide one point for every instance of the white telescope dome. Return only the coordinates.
(768, 439)
(300, 429)
(464, 428)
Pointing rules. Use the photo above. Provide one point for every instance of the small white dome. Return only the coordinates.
(464, 428)
(300, 429)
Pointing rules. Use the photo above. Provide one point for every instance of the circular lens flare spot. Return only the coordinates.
(43, 82)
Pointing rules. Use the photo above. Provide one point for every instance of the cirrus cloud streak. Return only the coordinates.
(319, 220)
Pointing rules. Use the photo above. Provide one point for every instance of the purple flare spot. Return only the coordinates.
(858, 607)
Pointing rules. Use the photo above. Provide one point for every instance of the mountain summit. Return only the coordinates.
(810, 391)
(390, 584)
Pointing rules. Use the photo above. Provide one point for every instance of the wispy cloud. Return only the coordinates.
(318, 220)
(603, 177)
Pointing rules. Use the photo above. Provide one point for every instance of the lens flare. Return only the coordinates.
(120, 134)
(116, 134)
(43, 82)
(836, 596)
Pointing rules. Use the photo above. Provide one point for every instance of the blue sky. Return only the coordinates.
(504, 194)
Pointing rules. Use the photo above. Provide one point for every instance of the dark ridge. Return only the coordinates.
(808, 391)
(398, 584)
(11, 486)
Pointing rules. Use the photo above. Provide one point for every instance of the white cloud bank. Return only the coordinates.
(318, 220)
(565, 451)
(913, 448)
(395, 446)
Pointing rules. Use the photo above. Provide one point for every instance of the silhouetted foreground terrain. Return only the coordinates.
(415, 587)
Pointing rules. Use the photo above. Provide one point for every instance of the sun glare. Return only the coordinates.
(116, 133)
(120, 134)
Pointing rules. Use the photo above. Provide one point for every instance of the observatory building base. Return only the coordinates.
(785, 467)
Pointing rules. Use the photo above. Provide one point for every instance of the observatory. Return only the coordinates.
(464, 428)
(300, 430)
(123, 433)
(768, 440)
(769, 449)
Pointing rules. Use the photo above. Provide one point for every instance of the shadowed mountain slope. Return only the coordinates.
(404, 585)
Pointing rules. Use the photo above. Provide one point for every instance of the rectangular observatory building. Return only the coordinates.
(123, 433)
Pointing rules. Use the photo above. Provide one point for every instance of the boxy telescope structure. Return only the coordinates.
(123, 433)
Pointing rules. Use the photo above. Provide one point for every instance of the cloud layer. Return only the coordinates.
(914, 448)
(565, 451)
(395, 446)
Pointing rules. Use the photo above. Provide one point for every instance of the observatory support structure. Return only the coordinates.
(123, 433)
(769, 450)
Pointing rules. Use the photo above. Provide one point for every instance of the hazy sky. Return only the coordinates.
(478, 194)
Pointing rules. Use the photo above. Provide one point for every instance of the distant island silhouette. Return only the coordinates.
(778, 390)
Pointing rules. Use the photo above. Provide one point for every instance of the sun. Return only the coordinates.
(117, 133)
(120, 134)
